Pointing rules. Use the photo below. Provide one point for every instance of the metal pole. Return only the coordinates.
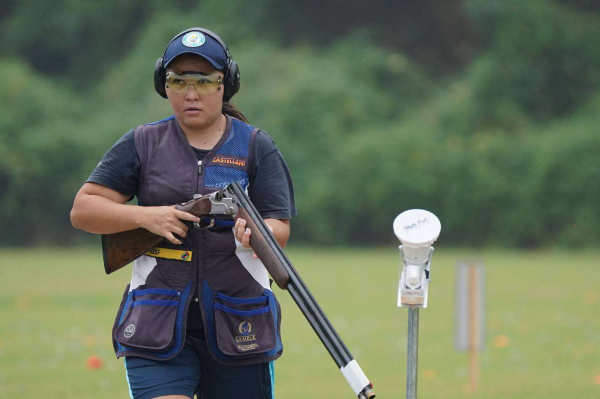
(412, 353)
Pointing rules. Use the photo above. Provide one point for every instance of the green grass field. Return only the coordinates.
(543, 325)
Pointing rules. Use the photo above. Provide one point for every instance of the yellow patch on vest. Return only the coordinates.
(166, 253)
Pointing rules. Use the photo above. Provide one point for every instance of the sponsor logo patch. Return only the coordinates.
(129, 331)
(229, 160)
(245, 338)
(166, 253)
(245, 328)
(153, 252)
(244, 348)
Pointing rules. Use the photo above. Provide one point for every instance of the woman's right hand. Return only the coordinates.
(102, 210)
(166, 221)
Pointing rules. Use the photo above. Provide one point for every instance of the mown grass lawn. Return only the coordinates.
(543, 325)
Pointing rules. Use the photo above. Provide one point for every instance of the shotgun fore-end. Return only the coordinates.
(264, 251)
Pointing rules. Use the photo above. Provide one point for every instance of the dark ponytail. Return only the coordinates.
(231, 110)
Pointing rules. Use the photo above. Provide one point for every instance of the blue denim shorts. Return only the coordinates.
(194, 372)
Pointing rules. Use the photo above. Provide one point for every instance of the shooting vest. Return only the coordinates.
(240, 313)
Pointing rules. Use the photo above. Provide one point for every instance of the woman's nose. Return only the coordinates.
(191, 92)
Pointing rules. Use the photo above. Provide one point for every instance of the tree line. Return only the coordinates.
(483, 112)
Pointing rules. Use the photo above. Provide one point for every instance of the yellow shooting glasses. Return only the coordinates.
(204, 84)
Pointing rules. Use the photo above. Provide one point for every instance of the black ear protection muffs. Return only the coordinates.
(231, 81)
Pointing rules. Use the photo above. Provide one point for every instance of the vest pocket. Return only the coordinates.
(242, 330)
(150, 320)
(244, 326)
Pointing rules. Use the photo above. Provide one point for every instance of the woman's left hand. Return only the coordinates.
(243, 233)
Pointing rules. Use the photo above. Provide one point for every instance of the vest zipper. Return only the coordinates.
(199, 167)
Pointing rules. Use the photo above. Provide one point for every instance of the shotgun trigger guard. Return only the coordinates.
(221, 203)
(205, 223)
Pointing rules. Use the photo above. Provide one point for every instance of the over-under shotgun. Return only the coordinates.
(234, 201)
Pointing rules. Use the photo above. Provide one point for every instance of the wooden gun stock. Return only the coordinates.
(120, 249)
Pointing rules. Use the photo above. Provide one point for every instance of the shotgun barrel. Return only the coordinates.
(286, 277)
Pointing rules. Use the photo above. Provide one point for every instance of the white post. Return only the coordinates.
(417, 230)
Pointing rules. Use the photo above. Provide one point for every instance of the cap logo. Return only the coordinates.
(193, 39)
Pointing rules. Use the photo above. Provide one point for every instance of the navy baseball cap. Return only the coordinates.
(196, 42)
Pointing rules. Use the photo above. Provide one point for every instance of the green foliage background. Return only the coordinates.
(484, 112)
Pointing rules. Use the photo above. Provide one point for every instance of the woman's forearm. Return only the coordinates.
(100, 215)
(101, 210)
(281, 230)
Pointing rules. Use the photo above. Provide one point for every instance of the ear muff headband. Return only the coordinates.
(231, 80)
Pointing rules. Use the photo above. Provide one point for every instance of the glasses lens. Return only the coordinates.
(204, 84)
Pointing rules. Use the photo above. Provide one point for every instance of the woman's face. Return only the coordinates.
(193, 110)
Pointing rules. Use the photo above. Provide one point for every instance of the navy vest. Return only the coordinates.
(241, 315)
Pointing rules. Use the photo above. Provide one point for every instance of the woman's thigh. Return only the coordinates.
(255, 381)
(194, 369)
(149, 379)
